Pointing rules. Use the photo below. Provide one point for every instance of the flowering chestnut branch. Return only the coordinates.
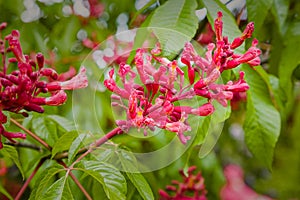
(21, 87)
(151, 96)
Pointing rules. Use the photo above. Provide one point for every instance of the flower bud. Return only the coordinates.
(57, 99)
(5, 82)
(49, 72)
(236, 43)
(3, 26)
(203, 92)
(40, 60)
(200, 84)
(3, 118)
(77, 82)
(10, 135)
(204, 110)
(34, 107)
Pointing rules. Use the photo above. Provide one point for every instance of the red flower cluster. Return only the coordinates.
(151, 96)
(20, 88)
(218, 58)
(191, 185)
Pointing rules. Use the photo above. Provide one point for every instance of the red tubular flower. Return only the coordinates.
(15, 46)
(49, 72)
(20, 89)
(10, 136)
(40, 60)
(219, 27)
(204, 110)
(57, 99)
(246, 34)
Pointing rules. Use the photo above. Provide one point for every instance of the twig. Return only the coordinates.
(22, 190)
(63, 155)
(37, 138)
(86, 194)
(20, 144)
(239, 15)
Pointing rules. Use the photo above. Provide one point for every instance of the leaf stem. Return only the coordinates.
(37, 138)
(86, 194)
(22, 190)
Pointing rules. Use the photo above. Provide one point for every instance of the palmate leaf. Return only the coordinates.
(75, 146)
(214, 129)
(44, 128)
(129, 164)
(11, 153)
(113, 182)
(59, 190)
(257, 11)
(174, 23)
(64, 142)
(290, 59)
(64, 123)
(262, 123)
(280, 10)
(44, 181)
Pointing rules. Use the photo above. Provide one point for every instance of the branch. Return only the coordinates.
(98, 143)
(20, 144)
(37, 138)
(86, 194)
(22, 190)
(86, 150)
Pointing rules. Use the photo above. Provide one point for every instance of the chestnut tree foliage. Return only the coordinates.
(110, 99)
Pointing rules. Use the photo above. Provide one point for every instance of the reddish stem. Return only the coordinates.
(37, 138)
(20, 193)
(98, 143)
(86, 194)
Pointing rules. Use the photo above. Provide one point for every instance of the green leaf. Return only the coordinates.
(273, 86)
(64, 142)
(113, 182)
(75, 146)
(44, 128)
(60, 190)
(214, 129)
(129, 164)
(44, 181)
(290, 59)
(4, 192)
(280, 10)
(262, 123)
(175, 23)
(97, 190)
(257, 11)
(64, 123)
(104, 154)
(11, 153)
